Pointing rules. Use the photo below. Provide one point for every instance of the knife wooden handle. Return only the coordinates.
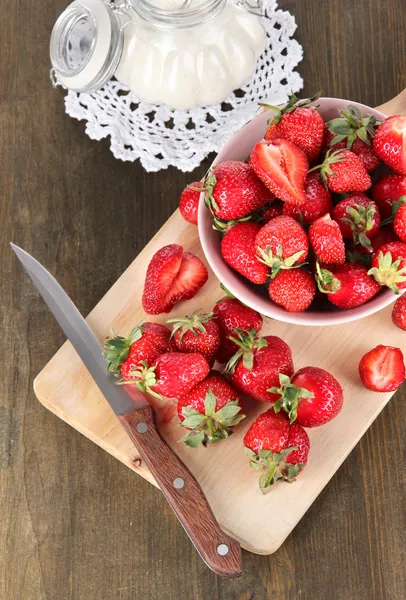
(219, 551)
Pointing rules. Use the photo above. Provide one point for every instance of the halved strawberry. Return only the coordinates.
(172, 276)
(390, 143)
(191, 276)
(382, 369)
(283, 167)
(161, 272)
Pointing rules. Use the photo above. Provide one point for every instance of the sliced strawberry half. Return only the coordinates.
(191, 276)
(161, 272)
(283, 167)
(382, 369)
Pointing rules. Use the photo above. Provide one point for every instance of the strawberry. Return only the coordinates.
(390, 143)
(191, 276)
(399, 313)
(231, 314)
(256, 365)
(172, 276)
(382, 369)
(348, 285)
(197, 333)
(172, 375)
(358, 218)
(239, 252)
(354, 131)
(299, 123)
(389, 266)
(189, 202)
(388, 190)
(282, 166)
(275, 210)
(327, 240)
(294, 290)
(318, 201)
(210, 410)
(276, 448)
(161, 272)
(233, 191)
(145, 343)
(312, 397)
(399, 221)
(281, 244)
(343, 171)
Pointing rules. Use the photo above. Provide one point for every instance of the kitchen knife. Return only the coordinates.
(220, 552)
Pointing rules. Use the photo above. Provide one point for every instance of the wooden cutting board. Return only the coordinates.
(260, 523)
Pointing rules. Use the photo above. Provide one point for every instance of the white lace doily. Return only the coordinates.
(160, 136)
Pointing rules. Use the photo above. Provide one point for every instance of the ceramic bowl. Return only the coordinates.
(239, 148)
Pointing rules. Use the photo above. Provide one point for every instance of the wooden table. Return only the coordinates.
(75, 523)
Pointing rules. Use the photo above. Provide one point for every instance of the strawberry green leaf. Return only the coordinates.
(193, 439)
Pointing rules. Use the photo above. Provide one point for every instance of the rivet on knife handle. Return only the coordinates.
(219, 551)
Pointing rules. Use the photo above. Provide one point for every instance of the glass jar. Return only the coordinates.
(182, 53)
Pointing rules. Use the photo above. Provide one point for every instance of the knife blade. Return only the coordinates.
(219, 551)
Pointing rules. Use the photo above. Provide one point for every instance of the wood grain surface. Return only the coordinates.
(75, 523)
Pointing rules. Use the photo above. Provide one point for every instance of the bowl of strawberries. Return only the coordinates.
(301, 215)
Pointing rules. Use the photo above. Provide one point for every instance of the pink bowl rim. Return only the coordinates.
(242, 290)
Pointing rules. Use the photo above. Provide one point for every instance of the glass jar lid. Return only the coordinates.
(86, 45)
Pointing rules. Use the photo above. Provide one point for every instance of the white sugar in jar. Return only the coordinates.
(191, 56)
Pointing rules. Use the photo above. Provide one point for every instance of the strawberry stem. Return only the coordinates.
(274, 467)
(211, 426)
(290, 395)
(388, 272)
(248, 341)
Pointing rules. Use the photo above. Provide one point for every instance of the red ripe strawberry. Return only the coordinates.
(145, 343)
(389, 266)
(399, 313)
(312, 397)
(382, 369)
(399, 222)
(390, 143)
(300, 124)
(282, 166)
(275, 210)
(354, 131)
(161, 272)
(172, 375)
(257, 364)
(275, 448)
(231, 314)
(318, 201)
(197, 333)
(191, 276)
(348, 285)
(281, 244)
(294, 290)
(388, 190)
(327, 241)
(189, 202)
(358, 218)
(239, 252)
(343, 171)
(210, 410)
(172, 276)
(233, 191)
